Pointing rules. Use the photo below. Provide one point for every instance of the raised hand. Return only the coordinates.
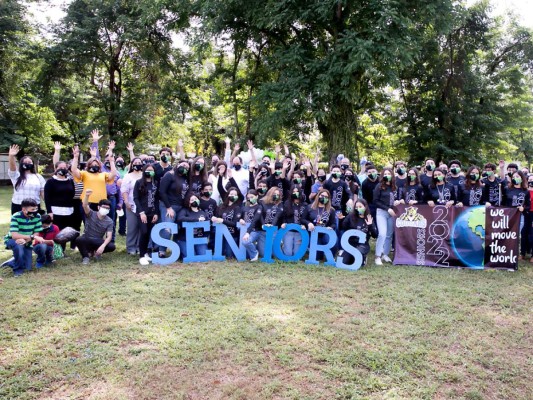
(237, 147)
(369, 219)
(76, 151)
(130, 146)
(14, 150)
(227, 140)
(111, 145)
(277, 148)
(57, 146)
(95, 135)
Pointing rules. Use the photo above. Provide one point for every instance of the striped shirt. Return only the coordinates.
(24, 226)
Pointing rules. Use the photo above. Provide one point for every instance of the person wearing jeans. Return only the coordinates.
(25, 224)
(45, 249)
(251, 214)
(98, 230)
(293, 210)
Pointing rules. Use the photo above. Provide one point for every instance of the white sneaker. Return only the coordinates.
(255, 258)
(386, 259)
(378, 261)
(144, 261)
(148, 257)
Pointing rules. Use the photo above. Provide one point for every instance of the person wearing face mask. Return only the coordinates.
(401, 174)
(45, 248)
(262, 188)
(121, 171)
(172, 191)
(339, 190)
(412, 192)
(197, 175)
(492, 186)
(303, 183)
(127, 192)
(319, 183)
(440, 192)
(24, 226)
(263, 173)
(471, 193)
(507, 173)
(93, 178)
(319, 213)
(26, 182)
(98, 233)
(516, 195)
(385, 198)
(191, 212)
(278, 180)
(427, 177)
(146, 199)
(293, 210)
(368, 186)
(272, 209)
(163, 165)
(455, 178)
(240, 175)
(359, 219)
(251, 213)
(220, 174)
(209, 206)
(59, 197)
(229, 214)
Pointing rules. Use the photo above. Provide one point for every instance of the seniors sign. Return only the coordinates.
(474, 237)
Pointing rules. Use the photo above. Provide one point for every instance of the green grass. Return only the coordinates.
(115, 330)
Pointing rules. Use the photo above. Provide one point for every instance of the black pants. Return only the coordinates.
(144, 235)
(86, 245)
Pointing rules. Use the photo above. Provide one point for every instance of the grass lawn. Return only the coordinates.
(116, 330)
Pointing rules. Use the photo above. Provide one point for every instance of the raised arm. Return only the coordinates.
(253, 163)
(227, 151)
(179, 150)
(13, 151)
(95, 137)
(130, 151)
(57, 153)
(74, 167)
(85, 202)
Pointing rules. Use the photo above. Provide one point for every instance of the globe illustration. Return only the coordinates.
(468, 237)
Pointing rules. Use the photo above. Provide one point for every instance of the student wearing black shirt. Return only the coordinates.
(427, 178)
(262, 188)
(401, 174)
(353, 183)
(492, 186)
(302, 182)
(164, 165)
(368, 186)
(191, 212)
(412, 192)
(385, 198)
(471, 193)
(439, 192)
(229, 214)
(277, 180)
(360, 219)
(251, 213)
(293, 210)
(319, 213)
(272, 209)
(516, 195)
(454, 177)
(207, 204)
(319, 184)
(146, 198)
(172, 191)
(339, 190)
(197, 175)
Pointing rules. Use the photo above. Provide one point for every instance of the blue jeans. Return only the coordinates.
(199, 249)
(22, 254)
(45, 253)
(113, 213)
(249, 245)
(163, 218)
(291, 243)
(385, 228)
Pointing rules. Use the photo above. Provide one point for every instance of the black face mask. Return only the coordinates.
(430, 167)
(62, 172)
(373, 176)
(472, 177)
(509, 174)
(455, 171)
(120, 164)
(145, 162)
(530, 183)
(344, 167)
(94, 169)
(107, 165)
(400, 171)
(206, 194)
(164, 159)
(277, 172)
(484, 175)
(263, 172)
(31, 214)
(275, 197)
(237, 167)
(27, 166)
(182, 171)
(349, 178)
(336, 175)
(137, 167)
(295, 196)
(195, 203)
(516, 181)
(323, 200)
(297, 181)
(262, 190)
(198, 167)
(321, 178)
(234, 198)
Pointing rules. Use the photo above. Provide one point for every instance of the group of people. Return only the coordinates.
(107, 191)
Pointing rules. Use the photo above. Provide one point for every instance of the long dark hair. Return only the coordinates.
(177, 175)
(22, 178)
(408, 181)
(289, 201)
(225, 205)
(192, 170)
(142, 182)
(523, 184)
(468, 182)
(355, 214)
(383, 183)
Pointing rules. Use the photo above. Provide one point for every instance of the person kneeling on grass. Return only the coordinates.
(24, 225)
(97, 225)
(45, 249)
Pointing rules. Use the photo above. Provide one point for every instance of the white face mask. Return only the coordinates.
(103, 211)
